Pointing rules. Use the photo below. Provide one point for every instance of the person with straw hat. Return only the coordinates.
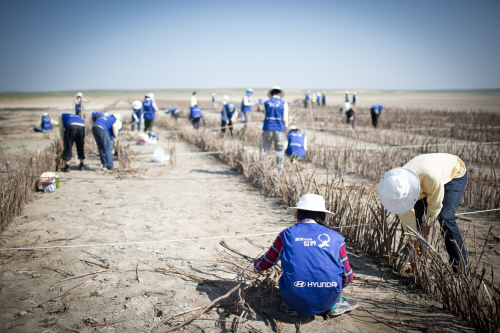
(314, 262)
(430, 184)
(297, 144)
(275, 124)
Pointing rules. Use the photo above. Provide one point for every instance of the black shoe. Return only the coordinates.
(80, 167)
(66, 169)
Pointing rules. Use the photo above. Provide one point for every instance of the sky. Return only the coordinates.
(382, 45)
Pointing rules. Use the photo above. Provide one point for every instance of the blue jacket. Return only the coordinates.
(312, 273)
(318, 99)
(274, 115)
(225, 115)
(376, 108)
(296, 144)
(46, 124)
(195, 112)
(308, 97)
(324, 98)
(106, 123)
(69, 119)
(246, 108)
(148, 110)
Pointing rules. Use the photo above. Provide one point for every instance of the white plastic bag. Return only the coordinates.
(159, 156)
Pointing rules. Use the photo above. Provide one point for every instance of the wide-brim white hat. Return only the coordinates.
(276, 88)
(137, 105)
(310, 202)
(398, 190)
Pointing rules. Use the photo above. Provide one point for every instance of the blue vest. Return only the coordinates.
(138, 113)
(46, 125)
(68, 119)
(318, 99)
(78, 106)
(246, 108)
(324, 98)
(312, 273)
(148, 110)
(274, 115)
(106, 123)
(308, 97)
(376, 107)
(296, 144)
(195, 112)
(228, 114)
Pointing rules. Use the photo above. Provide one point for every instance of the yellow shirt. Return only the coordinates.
(434, 171)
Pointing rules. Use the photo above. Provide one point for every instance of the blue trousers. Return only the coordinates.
(453, 192)
(138, 126)
(103, 142)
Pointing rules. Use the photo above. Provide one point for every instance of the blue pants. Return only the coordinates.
(453, 192)
(138, 126)
(103, 142)
(196, 122)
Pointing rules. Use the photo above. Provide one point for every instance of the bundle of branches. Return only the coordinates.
(251, 294)
(124, 154)
(21, 181)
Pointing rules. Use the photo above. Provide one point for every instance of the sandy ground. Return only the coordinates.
(172, 208)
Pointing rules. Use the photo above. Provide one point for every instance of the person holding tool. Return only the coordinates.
(45, 124)
(350, 112)
(149, 110)
(375, 112)
(79, 103)
(314, 261)
(229, 115)
(275, 124)
(195, 116)
(136, 115)
(297, 144)
(246, 106)
(430, 185)
(105, 129)
(72, 130)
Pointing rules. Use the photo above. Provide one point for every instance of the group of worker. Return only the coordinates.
(319, 98)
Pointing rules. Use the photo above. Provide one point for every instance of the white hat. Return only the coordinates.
(45, 114)
(354, 93)
(276, 88)
(118, 116)
(398, 190)
(79, 94)
(294, 128)
(347, 92)
(249, 90)
(137, 105)
(311, 202)
(213, 94)
(346, 106)
(151, 95)
(225, 98)
(324, 92)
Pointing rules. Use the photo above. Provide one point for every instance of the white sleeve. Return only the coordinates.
(285, 114)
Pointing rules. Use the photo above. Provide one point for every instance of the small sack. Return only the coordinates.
(49, 187)
(159, 156)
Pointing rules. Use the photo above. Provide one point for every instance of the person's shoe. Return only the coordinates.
(343, 305)
(66, 169)
(104, 169)
(81, 166)
(289, 312)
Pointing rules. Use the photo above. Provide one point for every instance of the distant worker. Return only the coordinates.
(318, 99)
(229, 115)
(45, 124)
(176, 113)
(354, 98)
(213, 100)
(225, 99)
(275, 124)
(105, 130)
(79, 103)
(314, 261)
(194, 100)
(152, 96)
(313, 98)
(260, 106)
(195, 116)
(72, 130)
(375, 111)
(307, 99)
(323, 99)
(347, 96)
(136, 115)
(350, 112)
(149, 110)
(246, 106)
(430, 184)
(297, 144)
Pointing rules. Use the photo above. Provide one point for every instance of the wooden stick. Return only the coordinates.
(79, 276)
(94, 263)
(61, 239)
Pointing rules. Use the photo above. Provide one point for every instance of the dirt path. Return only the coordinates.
(199, 198)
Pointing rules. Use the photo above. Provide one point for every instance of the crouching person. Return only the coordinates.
(105, 129)
(297, 144)
(195, 116)
(314, 262)
(45, 124)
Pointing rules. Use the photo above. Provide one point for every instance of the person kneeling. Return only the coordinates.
(314, 262)
(297, 144)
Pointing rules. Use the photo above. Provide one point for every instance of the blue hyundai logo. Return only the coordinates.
(299, 284)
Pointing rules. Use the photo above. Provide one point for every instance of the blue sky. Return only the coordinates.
(407, 45)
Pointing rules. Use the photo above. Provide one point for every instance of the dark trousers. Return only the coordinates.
(76, 134)
(350, 119)
(103, 142)
(223, 127)
(148, 125)
(196, 122)
(375, 119)
(453, 192)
